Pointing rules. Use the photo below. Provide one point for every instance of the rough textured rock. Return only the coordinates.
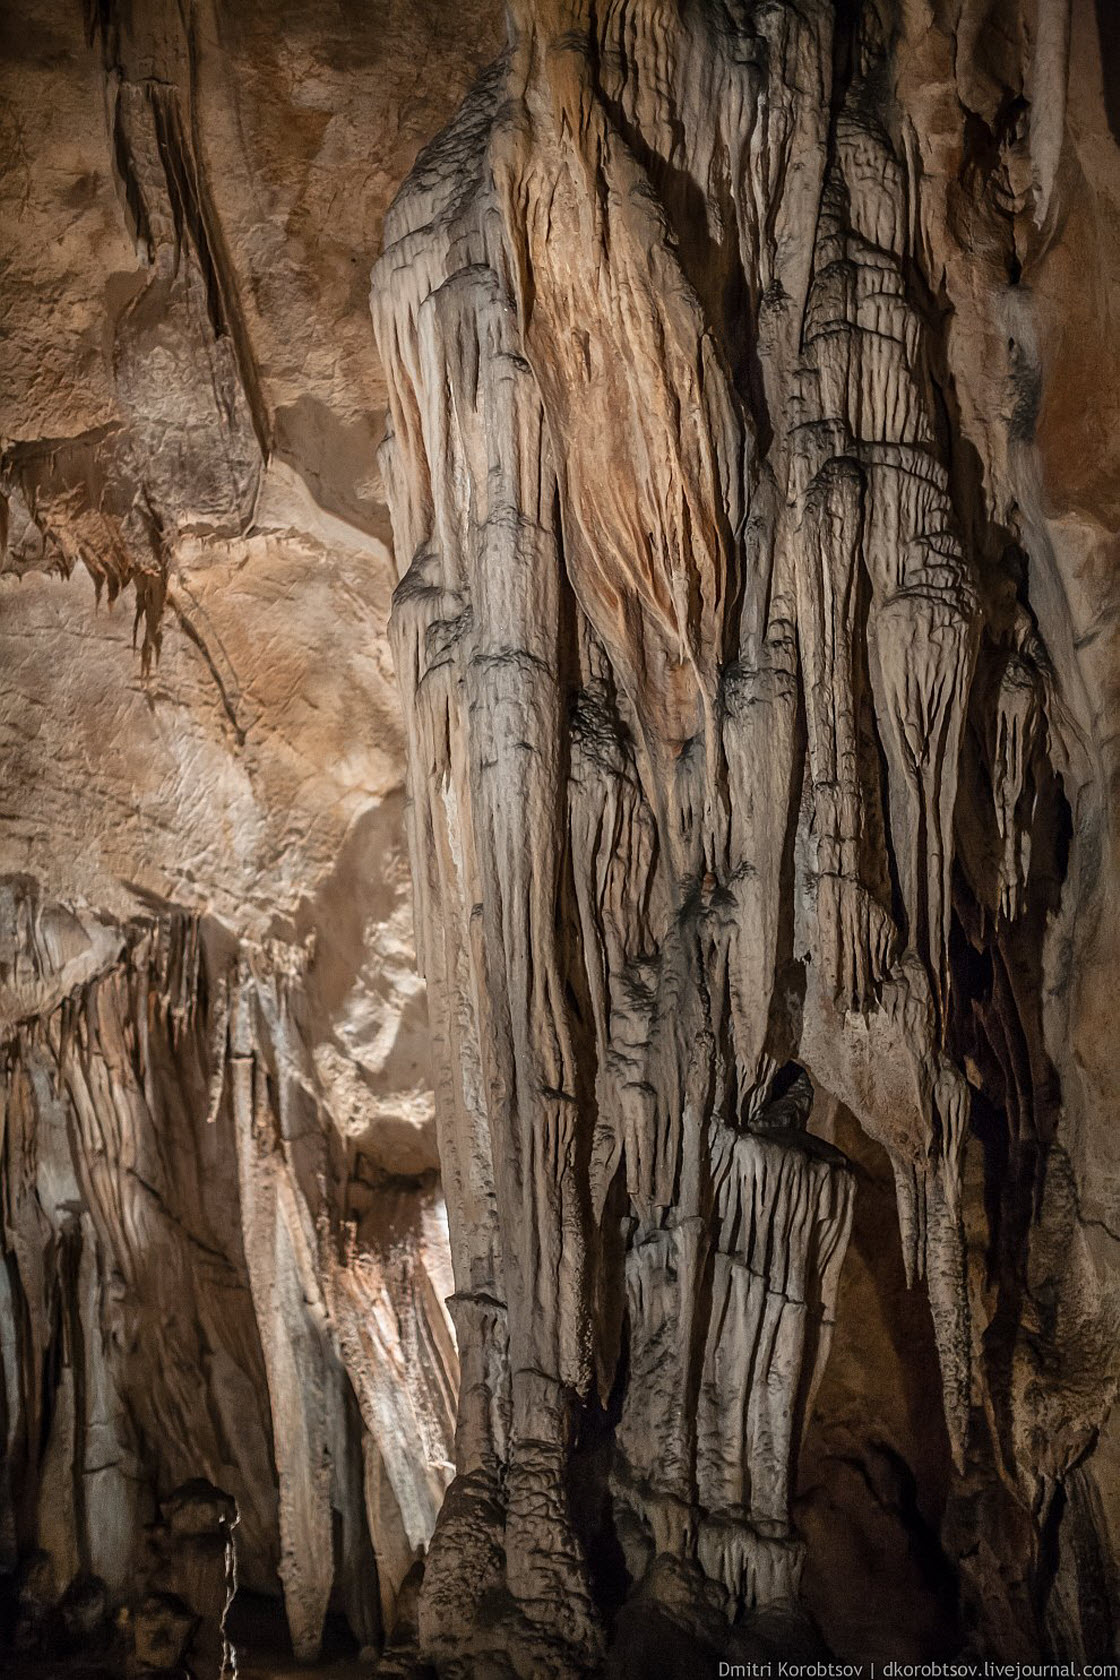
(750, 753)
(223, 1230)
(750, 484)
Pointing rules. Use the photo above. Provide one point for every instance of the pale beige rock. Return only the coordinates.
(202, 872)
(751, 495)
(714, 365)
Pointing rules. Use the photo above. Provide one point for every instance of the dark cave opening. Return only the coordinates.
(875, 1467)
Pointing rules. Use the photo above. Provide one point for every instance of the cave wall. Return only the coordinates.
(224, 1237)
(751, 756)
(750, 491)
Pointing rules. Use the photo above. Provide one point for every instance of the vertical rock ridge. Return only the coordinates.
(674, 487)
(165, 1166)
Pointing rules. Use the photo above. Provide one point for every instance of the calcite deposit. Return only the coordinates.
(224, 1234)
(647, 473)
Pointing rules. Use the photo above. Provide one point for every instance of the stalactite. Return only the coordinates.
(682, 576)
(164, 1159)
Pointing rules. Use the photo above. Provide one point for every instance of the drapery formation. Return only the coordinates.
(687, 630)
(180, 1300)
(754, 456)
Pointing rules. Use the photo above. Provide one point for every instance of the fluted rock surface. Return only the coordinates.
(745, 746)
(225, 1246)
(747, 372)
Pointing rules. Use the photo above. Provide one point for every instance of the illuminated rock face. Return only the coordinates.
(740, 747)
(225, 1245)
(748, 378)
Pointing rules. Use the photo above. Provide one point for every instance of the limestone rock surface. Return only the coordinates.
(225, 1244)
(758, 795)
(559, 898)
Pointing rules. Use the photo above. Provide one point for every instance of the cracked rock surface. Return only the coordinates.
(558, 889)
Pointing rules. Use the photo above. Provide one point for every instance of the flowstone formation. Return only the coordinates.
(749, 375)
(731, 731)
(226, 1365)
